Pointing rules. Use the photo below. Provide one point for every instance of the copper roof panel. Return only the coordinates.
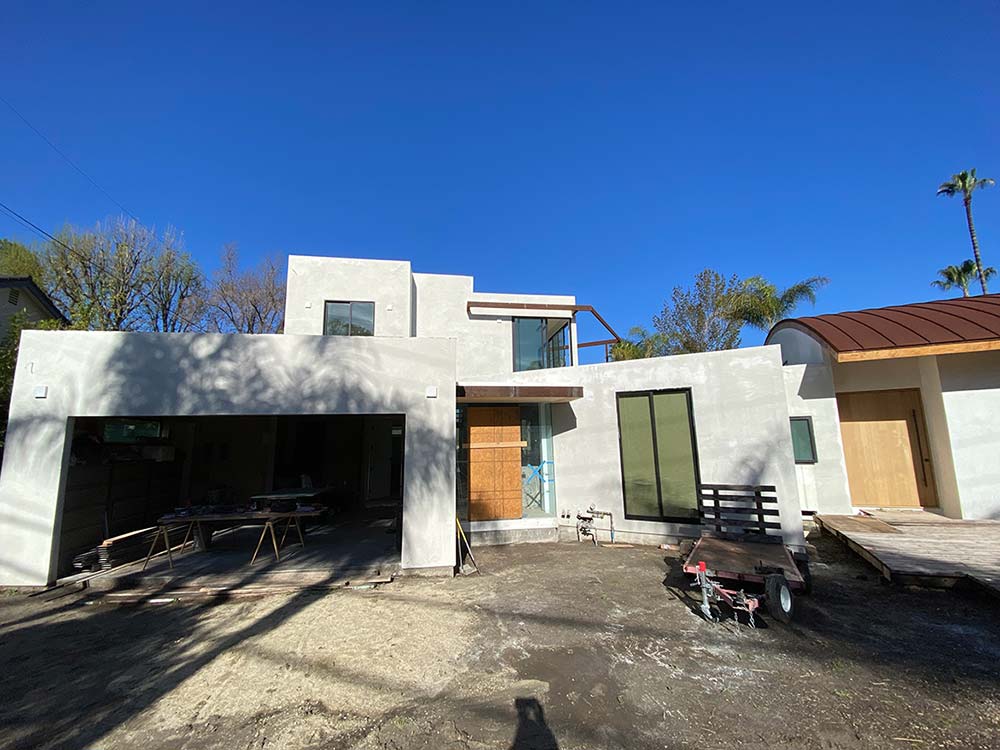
(952, 321)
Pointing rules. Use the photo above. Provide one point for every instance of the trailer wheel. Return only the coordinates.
(780, 604)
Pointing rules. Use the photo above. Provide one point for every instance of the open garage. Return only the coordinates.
(127, 473)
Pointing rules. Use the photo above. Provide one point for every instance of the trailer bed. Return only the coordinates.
(743, 561)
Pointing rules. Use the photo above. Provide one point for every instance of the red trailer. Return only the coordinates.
(738, 549)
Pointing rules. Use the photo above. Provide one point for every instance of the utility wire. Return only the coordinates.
(67, 159)
(27, 223)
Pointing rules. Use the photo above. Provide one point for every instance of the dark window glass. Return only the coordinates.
(349, 319)
(362, 318)
(130, 431)
(803, 440)
(658, 455)
(540, 343)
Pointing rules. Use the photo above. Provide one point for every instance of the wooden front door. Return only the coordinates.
(885, 445)
(494, 462)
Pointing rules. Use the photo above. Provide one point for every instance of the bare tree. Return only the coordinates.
(246, 301)
(175, 299)
(100, 276)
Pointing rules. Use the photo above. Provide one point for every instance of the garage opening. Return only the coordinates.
(126, 473)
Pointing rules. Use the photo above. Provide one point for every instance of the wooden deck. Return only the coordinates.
(922, 548)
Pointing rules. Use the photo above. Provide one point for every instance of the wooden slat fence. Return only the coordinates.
(743, 511)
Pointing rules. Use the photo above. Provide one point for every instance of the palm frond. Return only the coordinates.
(796, 293)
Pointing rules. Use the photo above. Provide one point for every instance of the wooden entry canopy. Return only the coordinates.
(950, 326)
(486, 304)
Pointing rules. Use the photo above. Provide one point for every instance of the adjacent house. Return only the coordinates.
(22, 294)
(401, 392)
(915, 390)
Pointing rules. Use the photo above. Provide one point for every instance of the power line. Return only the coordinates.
(67, 159)
(28, 224)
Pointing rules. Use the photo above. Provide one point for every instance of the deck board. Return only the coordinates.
(923, 547)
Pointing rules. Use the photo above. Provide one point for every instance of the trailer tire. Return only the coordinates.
(780, 602)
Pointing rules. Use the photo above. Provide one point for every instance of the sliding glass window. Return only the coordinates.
(541, 343)
(659, 455)
(349, 319)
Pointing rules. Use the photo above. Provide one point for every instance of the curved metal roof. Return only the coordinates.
(921, 324)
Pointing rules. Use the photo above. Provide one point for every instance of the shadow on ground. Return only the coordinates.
(563, 646)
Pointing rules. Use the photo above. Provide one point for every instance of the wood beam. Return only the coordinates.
(927, 350)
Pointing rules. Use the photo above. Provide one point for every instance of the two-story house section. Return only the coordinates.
(412, 398)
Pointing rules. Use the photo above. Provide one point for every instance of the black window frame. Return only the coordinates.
(691, 520)
(812, 441)
(350, 321)
(567, 350)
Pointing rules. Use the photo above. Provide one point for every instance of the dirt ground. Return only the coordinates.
(564, 646)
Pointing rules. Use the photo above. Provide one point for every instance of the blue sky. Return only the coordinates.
(605, 150)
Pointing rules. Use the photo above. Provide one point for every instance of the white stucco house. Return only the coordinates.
(395, 387)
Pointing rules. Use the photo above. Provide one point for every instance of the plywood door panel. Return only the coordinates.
(886, 449)
(494, 462)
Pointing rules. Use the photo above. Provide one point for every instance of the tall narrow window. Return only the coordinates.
(658, 455)
(803, 440)
(349, 319)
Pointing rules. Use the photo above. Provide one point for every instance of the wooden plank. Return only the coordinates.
(740, 487)
(745, 499)
(706, 508)
(743, 557)
(740, 523)
(961, 347)
(501, 444)
(863, 524)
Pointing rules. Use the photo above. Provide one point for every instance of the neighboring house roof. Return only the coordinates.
(950, 326)
(27, 284)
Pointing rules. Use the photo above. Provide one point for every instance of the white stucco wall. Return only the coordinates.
(485, 338)
(970, 386)
(134, 374)
(797, 347)
(823, 485)
(313, 281)
(741, 425)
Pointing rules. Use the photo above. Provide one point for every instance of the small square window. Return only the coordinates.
(349, 319)
(803, 440)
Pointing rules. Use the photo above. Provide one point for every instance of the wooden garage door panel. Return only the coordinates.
(886, 450)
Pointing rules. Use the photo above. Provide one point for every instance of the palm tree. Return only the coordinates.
(967, 183)
(759, 304)
(960, 276)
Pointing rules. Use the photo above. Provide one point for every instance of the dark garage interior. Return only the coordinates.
(125, 473)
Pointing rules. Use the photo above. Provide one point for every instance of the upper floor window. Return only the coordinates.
(540, 343)
(349, 319)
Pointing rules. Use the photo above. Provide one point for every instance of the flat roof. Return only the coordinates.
(951, 326)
